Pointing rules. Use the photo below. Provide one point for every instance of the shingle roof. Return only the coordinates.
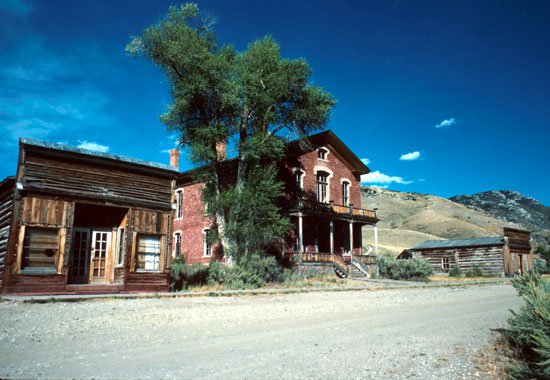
(433, 244)
(67, 148)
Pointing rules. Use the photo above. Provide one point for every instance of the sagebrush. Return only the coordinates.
(417, 269)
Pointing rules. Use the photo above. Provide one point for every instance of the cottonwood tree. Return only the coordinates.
(255, 99)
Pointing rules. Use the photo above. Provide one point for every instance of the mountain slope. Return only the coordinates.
(509, 206)
(407, 219)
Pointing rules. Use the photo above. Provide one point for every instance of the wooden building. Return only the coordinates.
(321, 197)
(81, 222)
(507, 254)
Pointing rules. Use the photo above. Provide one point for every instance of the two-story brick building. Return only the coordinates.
(322, 198)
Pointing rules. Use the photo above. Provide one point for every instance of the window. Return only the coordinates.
(148, 253)
(345, 193)
(322, 153)
(207, 243)
(40, 250)
(322, 186)
(299, 175)
(120, 247)
(177, 244)
(445, 263)
(179, 204)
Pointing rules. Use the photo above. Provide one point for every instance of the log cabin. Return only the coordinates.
(322, 198)
(78, 221)
(507, 254)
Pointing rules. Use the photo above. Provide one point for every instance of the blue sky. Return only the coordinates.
(441, 97)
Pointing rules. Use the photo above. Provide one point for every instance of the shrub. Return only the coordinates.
(474, 272)
(528, 329)
(183, 275)
(455, 271)
(417, 269)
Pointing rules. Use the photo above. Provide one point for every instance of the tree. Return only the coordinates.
(255, 99)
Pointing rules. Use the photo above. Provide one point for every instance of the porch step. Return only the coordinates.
(339, 272)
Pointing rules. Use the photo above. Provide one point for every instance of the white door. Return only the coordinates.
(101, 241)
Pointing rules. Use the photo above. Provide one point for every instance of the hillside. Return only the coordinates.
(407, 219)
(509, 206)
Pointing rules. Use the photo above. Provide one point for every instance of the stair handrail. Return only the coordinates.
(359, 265)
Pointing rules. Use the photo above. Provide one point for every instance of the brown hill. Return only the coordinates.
(407, 219)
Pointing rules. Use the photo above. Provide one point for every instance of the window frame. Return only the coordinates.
(157, 262)
(346, 185)
(36, 270)
(322, 153)
(120, 247)
(446, 263)
(207, 245)
(179, 204)
(177, 244)
(322, 186)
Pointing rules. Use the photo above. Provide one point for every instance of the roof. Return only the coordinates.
(319, 139)
(455, 243)
(101, 155)
(329, 137)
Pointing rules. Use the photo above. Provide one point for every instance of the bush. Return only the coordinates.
(455, 271)
(474, 272)
(183, 275)
(407, 269)
(254, 271)
(528, 329)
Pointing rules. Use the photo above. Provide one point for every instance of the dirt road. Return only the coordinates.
(405, 333)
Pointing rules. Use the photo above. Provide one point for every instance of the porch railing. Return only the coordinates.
(331, 207)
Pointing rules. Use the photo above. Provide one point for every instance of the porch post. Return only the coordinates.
(331, 236)
(300, 235)
(376, 241)
(351, 240)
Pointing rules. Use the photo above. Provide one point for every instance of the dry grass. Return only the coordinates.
(444, 278)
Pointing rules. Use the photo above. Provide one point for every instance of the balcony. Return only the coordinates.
(332, 210)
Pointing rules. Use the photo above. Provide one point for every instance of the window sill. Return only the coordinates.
(148, 271)
(39, 271)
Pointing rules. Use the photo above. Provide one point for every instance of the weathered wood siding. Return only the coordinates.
(6, 212)
(488, 259)
(98, 182)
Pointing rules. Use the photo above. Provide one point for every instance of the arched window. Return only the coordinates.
(177, 244)
(179, 204)
(299, 177)
(322, 187)
(207, 242)
(345, 193)
(322, 153)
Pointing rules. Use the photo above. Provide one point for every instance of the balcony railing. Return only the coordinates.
(331, 207)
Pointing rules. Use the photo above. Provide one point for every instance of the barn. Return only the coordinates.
(506, 254)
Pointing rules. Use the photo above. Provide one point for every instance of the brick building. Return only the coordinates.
(322, 198)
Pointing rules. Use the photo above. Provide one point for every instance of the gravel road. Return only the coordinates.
(427, 333)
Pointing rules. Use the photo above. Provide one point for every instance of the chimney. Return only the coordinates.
(175, 157)
(221, 150)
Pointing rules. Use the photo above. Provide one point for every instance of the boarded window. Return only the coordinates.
(148, 253)
(40, 249)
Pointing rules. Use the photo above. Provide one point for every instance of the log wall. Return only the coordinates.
(488, 259)
(6, 212)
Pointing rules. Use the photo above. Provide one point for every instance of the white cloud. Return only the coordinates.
(366, 161)
(93, 146)
(410, 156)
(380, 178)
(446, 123)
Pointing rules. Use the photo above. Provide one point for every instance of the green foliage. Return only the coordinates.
(250, 98)
(252, 272)
(417, 269)
(528, 329)
(183, 275)
(474, 272)
(455, 271)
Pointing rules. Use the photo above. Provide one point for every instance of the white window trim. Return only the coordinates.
(327, 152)
(174, 243)
(342, 181)
(294, 170)
(204, 243)
(178, 190)
(317, 169)
(120, 252)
